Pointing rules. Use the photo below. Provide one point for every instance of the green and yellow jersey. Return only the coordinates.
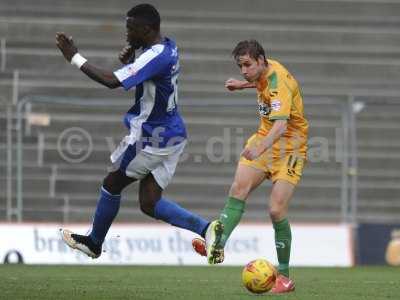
(279, 98)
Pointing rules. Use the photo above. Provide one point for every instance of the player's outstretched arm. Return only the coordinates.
(70, 52)
(233, 84)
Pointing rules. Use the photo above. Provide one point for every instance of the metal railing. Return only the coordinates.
(3, 54)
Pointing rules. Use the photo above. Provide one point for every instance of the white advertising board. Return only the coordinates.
(154, 244)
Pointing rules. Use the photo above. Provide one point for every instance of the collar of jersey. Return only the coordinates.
(162, 42)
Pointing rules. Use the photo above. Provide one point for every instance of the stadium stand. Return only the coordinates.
(337, 50)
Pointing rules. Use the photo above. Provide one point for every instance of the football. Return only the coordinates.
(259, 276)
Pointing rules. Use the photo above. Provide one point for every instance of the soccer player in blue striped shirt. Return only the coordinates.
(157, 134)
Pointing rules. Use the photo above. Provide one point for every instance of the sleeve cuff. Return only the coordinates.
(120, 78)
(119, 75)
(273, 118)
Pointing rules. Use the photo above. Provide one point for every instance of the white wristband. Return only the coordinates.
(78, 60)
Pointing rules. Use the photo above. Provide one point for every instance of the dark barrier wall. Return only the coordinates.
(378, 244)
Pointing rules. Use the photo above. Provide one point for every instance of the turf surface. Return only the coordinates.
(191, 283)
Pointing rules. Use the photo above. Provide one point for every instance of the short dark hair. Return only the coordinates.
(250, 47)
(146, 14)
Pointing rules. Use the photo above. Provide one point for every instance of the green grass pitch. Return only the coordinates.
(191, 283)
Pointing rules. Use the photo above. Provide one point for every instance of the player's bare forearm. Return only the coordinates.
(248, 85)
(69, 50)
(106, 78)
(277, 130)
(233, 84)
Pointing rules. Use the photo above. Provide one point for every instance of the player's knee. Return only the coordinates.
(239, 190)
(277, 208)
(276, 213)
(116, 181)
(110, 187)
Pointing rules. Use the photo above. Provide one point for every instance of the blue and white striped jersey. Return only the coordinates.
(154, 117)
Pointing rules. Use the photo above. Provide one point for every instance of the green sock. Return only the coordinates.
(230, 216)
(283, 240)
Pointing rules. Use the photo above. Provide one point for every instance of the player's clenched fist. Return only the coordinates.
(233, 84)
(66, 45)
(127, 55)
(252, 153)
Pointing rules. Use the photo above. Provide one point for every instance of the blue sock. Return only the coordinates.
(176, 215)
(106, 210)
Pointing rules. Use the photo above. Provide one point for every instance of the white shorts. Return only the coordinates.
(138, 163)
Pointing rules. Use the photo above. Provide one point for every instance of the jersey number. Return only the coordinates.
(173, 98)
